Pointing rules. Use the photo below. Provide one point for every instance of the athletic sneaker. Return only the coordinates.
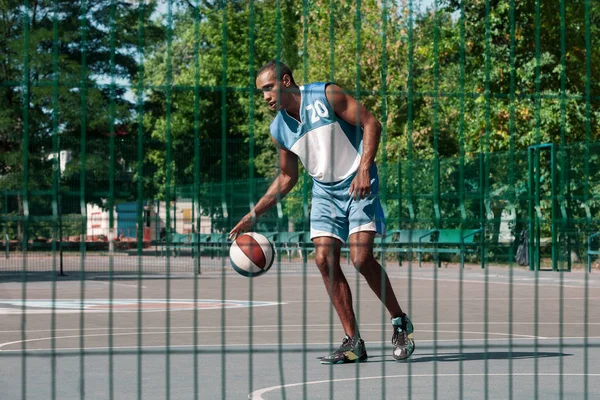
(351, 350)
(403, 342)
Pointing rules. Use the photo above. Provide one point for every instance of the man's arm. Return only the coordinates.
(347, 108)
(283, 183)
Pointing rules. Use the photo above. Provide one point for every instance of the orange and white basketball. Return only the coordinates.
(251, 254)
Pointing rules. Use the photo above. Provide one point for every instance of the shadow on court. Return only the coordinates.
(479, 356)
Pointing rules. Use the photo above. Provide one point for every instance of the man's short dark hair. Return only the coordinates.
(277, 67)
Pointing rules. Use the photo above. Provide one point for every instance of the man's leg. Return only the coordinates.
(328, 260)
(361, 254)
(327, 252)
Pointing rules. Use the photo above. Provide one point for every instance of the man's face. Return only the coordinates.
(271, 88)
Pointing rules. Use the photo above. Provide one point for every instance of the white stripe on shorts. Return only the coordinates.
(368, 227)
(315, 233)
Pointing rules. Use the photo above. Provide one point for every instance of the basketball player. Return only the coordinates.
(336, 139)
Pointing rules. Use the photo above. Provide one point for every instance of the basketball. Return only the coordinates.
(251, 254)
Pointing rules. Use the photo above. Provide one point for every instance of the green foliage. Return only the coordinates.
(226, 108)
(447, 83)
(57, 58)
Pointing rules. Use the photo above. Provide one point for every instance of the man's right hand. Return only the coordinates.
(243, 226)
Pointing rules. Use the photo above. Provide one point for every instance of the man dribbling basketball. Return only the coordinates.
(336, 139)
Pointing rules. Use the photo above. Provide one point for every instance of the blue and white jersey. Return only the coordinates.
(330, 148)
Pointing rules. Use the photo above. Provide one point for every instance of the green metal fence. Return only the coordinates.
(545, 196)
(129, 129)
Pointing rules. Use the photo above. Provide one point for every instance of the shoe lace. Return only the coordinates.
(346, 343)
(399, 338)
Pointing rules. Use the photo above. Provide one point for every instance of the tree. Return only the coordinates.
(59, 57)
(205, 75)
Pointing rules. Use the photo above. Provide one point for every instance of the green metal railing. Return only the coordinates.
(489, 112)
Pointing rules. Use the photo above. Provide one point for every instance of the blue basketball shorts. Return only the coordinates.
(335, 213)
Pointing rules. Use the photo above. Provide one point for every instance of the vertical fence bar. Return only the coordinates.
(55, 182)
(538, 207)
(409, 159)
(168, 194)
(24, 192)
(384, 171)
(486, 181)
(331, 281)
(436, 131)
(140, 153)
(588, 111)
(436, 186)
(83, 88)
(111, 201)
(357, 27)
(536, 258)
(482, 194)
(278, 46)
(305, 213)
(562, 188)
(197, 208)
(530, 206)
(5, 236)
(513, 197)
(251, 191)
(535, 187)
(223, 89)
(140, 191)
(562, 193)
(562, 153)
(554, 211)
(586, 185)
(461, 191)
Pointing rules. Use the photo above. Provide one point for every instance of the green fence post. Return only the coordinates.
(532, 202)
(535, 176)
(60, 217)
(436, 158)
(482, 205)
(554, 208)
(538, 208)
(563, 188)
(6, 240)
(157, 237)
(197, 208)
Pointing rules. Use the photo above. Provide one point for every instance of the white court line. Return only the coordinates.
(513, 282)
(115, 305)
(541, 281)
(219, 331)
(257, 394)
(118, 284)
(247, 327)
(192, 346)
(71, 289)
(455, 298)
